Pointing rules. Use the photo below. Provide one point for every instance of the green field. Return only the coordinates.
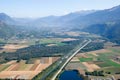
(23, 65)
(32, 60)
(105, 57)
(104, 61)
(86, 59)
(39, 41)
(3, 67)
(115, 50)
(103, 64)
(2, 41)
(90, 55)
(49, 40)
(56, 41)
(112, 70)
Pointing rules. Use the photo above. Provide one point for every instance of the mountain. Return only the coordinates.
(74, 15)
(110, 30)
(48, 21)
(23, 20)
(59, 21)
(100, 16)
(79, 19)
(6, 31)
(6, 19)
(105, 23)
(99, 22)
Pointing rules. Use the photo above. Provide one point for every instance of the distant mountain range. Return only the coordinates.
(49, 21)
(100, 16)
(77, 19)
(94, 21)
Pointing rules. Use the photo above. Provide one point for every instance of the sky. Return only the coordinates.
(41, 8)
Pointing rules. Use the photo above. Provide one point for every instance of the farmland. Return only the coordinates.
(44, 47)
(14, 45)
(105, 60)
(25, 58)
(21, 70)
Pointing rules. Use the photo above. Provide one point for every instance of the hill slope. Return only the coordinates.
(6, 31)
(109, 30)
(101, 16)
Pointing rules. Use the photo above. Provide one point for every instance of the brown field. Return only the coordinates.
(81, 55)
(69, 39)
(18, 74)
(7, 50)
(72, 33)
(75, 59)
(117, 48)
(95, 53)
(102, 59)
(100, 51)
(91, 67)
(15, 67)
(55, 59)
(11, 62)
(51, 45)
(12, 47)
(34, 67)
(26, 71)
(117, 76)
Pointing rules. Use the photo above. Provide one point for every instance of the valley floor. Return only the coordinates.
(99, 64)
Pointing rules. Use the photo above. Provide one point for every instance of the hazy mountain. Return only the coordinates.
(6, 19)
(75, 19)
(6, 31)
(110, 30)
(59, 21)
(105, 23)
(75, 15)
(23, 20)
(98, 17)
(48, 21)
(95, 21)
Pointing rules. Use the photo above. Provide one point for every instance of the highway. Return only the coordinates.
(62, 62)
(65, 60)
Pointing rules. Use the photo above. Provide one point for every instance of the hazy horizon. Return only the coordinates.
(40, 8)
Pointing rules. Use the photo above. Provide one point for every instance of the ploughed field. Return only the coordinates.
(23, 70)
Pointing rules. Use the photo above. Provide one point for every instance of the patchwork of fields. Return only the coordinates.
(105, 60)
(21, 70)
(14, 45)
